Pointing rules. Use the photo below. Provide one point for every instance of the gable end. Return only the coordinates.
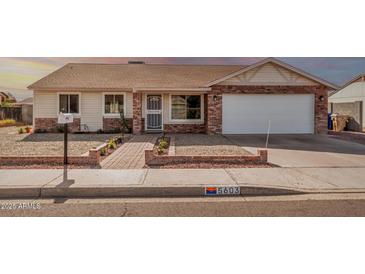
(269, 74)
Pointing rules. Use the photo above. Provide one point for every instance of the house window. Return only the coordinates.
(113, 103)
(69, 103)
(185, 107)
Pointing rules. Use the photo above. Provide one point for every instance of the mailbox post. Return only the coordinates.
(65, 119)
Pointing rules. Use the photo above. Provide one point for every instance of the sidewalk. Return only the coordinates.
(176, 182)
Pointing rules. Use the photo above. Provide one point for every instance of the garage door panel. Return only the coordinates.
(250, 114)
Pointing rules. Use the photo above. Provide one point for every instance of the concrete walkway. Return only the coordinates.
(177, 182)
(131, 154)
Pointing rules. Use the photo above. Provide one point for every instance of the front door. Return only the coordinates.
(154, 112)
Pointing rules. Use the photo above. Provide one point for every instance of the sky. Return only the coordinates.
(19, 72)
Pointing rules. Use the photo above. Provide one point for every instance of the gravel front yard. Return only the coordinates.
(201, 144)
(46, 144)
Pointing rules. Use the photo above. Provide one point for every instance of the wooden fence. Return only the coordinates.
(11, 113)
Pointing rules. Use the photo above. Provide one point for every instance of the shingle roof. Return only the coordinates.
(84, 75)
(27, 101)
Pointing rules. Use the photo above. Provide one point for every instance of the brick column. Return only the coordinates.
(321, 111)
(137, 113)
(214, 113)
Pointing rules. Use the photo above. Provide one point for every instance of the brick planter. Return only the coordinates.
(152, 158)
(92, 159)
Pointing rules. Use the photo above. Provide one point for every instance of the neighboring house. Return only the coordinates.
(184, 98)
(27, 110)
(350, 100)
(27, 101)
(6, 97)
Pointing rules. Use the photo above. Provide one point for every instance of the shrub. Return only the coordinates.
(28, 129)
(163, 144)
(103, 151)
(113, 131)
(20, 130)
(123, 124)
(112, 144)
(119, 140)
(60, 129)
(7, 122)
(100, 131)
(40, 130)
(6, 103)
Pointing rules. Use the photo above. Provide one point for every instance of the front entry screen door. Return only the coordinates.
(154, 112)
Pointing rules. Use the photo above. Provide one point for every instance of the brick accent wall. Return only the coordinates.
(184, 128)
(113, 124)
(137, 113)
(51, 125)
(214, 112)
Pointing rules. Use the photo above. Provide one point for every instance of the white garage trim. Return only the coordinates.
(250, 114)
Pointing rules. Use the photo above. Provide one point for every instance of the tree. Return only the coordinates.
(6, 103)
(123, 123)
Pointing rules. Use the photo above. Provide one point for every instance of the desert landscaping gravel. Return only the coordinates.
(47, 144)
(201, 144)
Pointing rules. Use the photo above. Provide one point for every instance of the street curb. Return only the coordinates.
(132, 191)
(20, 192)
(150, 191)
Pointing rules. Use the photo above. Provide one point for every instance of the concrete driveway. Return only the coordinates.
(305, 150)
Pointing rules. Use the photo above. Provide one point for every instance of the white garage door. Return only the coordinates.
(250, 114)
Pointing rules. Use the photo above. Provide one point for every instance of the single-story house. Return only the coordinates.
(350, 100)
(6, 97)
(211, 99)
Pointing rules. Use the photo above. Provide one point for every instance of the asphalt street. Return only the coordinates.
(329, 205)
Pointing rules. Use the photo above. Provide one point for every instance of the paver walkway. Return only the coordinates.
(131, 154)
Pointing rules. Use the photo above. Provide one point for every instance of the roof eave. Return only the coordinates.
(353, 80)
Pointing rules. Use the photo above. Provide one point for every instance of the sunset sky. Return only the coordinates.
(17, 73)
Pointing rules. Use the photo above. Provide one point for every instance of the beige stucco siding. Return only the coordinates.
(91, 111)
(129, 107)
(166, 108)
(45, 104)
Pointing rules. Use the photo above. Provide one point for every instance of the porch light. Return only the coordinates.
(321, 98)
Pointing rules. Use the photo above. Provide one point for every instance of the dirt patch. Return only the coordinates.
(51, 144)
(205, 145)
